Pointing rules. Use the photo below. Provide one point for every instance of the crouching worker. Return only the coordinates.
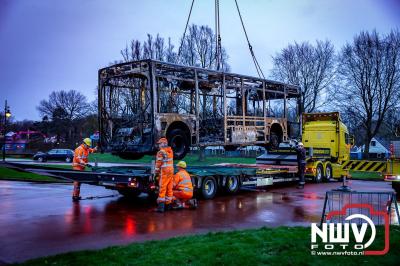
(80, 162)
(183, 189)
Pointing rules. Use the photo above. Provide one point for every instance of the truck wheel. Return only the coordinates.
(319, 174)
(41, 159)
(232, 184)
(68, 159)
(209, 187)
(328, 173)
(179, 143)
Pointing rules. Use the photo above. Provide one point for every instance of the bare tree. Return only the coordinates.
(369, 75)
(199, 49)
(170, 55)
(308, 66)
(71, 104)
(132, 52)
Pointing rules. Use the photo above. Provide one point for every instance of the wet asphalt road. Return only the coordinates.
(39, 219)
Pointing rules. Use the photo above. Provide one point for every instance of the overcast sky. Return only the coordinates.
(48, 45)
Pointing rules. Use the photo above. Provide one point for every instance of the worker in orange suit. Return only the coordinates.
(183, 188)
(80, 162)
(164, 169)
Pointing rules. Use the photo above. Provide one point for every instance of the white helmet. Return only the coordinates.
(300, 144)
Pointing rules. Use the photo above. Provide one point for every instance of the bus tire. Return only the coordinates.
(179, 143)
(274, 141)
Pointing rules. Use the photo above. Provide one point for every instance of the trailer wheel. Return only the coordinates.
(209, 187)
(41, 159)
(179, 143)
(328, 172)
(129, 193)
(319, 174)
(152, 196)
(232, 184)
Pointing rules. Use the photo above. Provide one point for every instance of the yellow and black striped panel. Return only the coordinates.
(367, 166)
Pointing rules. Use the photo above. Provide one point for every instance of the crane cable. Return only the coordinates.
(256, 64)
(218, 52)
(184, 33)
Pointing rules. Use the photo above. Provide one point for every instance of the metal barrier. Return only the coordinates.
(337, 200)
(366, 166)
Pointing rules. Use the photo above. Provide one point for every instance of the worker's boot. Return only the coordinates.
(168, 207)
(192, 203)
(76, 198)
(160, 207)
(176, 204)
(76, 192)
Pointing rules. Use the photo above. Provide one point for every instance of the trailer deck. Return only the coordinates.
(132, 180)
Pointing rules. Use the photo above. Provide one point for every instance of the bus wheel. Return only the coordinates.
(179, 143)
(328, 173)
(232, 184)
(208, 187)
(319, 173)
(274, 141)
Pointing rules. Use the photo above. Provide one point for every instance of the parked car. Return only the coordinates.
(55, 155)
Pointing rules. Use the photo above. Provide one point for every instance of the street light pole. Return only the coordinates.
(7, 114)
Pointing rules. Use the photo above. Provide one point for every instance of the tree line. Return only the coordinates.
(361, 80)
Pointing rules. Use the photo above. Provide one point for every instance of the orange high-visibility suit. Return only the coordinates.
(79, 163)
(165, 169)
(81, 157)
(183, 187)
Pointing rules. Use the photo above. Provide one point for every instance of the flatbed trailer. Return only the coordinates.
(207, 180)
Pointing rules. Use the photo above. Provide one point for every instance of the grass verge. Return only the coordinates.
(366, 175)
(273, 246)
(11, 174)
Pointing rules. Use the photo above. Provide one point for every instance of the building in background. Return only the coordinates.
(376, 151)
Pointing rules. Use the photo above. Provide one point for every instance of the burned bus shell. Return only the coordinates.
(143, 100)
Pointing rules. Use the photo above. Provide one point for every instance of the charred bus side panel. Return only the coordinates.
(143, 100)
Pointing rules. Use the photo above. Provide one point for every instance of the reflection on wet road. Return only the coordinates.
(40, 219)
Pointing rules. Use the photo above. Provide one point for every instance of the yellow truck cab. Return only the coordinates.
(328, 143)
